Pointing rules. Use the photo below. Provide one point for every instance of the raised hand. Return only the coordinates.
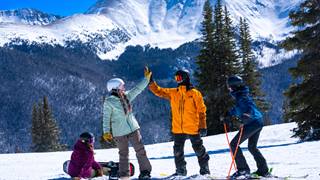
(147, 72)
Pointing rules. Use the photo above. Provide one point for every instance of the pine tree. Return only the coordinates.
(250, 73)
(304, 97)
(207, 67)
(204, 60)
(35, 126)
(45, 132)
(231, 53)
(52, 131)
(229, 61)
(216, 61)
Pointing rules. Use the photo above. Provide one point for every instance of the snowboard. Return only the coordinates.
(108, 167)
(273, 177)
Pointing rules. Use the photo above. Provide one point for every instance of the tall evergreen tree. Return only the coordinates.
(250, 72)
(229, 60)
(206, 65)
(215, 64)
(36, 127)
(231, 53)
(45, 132)
(204, 60)
(304, 97)
(38, 124)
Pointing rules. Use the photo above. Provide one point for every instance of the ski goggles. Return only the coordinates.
(178, 78)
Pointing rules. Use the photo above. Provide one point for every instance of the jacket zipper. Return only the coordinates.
(181, 112)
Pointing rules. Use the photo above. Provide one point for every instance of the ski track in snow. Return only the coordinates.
(287, 156)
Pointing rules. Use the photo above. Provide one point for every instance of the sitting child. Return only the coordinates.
(82, 163)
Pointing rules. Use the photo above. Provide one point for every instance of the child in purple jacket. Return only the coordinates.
(82, 163)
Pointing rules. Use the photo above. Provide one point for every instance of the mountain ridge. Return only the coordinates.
(164, 24)
(27, 16)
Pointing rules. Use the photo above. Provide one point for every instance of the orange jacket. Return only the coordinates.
(188, 108)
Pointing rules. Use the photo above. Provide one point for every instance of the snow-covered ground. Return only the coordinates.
(284, 154)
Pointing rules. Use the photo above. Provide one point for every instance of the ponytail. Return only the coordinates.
(125, 103)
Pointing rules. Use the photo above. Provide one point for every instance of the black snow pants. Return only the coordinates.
(197, 145)
(252, 133)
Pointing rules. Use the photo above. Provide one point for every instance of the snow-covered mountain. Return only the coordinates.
(111, 25)
(26, 16)
(287, 156)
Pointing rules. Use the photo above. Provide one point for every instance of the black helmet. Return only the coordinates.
(87, 137)
(234, 82)
(182, 76)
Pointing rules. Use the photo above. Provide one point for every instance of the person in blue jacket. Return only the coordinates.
(246, 111)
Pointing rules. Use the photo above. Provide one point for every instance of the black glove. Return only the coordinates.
(227, 120)
(203, 132)
(245, 118)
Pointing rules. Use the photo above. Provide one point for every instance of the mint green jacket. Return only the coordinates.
(114, 116)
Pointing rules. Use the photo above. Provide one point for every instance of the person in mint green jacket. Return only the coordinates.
(118, 116)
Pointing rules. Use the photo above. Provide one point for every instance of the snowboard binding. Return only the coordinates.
(110, 169)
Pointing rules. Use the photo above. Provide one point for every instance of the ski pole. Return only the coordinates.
(235, 153)
(226, 132)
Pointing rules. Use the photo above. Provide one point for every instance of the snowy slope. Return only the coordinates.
(284, 154)
(111, 25)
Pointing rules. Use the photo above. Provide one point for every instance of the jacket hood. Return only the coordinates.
(187, 84)
(81, 146)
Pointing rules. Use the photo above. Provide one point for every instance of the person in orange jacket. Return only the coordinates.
(188, 120)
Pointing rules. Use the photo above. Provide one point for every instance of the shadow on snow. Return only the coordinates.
(220, 151)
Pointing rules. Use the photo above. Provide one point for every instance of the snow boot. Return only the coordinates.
(144, 175)
(113, 173)
(243, 174)
(181, 171)
(204, 170)
(261, 174)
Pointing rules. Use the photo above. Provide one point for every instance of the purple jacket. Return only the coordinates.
(82, 161)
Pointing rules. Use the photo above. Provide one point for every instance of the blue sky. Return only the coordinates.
(57, 7)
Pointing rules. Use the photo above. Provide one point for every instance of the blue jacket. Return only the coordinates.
(245, 108)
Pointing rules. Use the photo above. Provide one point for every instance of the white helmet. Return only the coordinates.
(114, 83)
